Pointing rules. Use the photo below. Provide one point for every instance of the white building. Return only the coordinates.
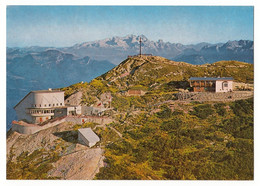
(87, 137)
(67, 111)
(224, 85)
(38, 106)
(90, 111)
(211, 84)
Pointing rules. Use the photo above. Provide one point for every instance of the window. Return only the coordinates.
(57, 104)
(40, 105)
(224, 84)
(61, 104)
(49, 105)
(53, 104)
(45, 105)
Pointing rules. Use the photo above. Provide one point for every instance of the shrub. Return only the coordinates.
(202, 111)
(165, 112)
(220, 108)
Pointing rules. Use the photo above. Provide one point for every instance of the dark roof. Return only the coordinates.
(210, 78)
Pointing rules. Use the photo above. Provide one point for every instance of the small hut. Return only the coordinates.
(86, 136)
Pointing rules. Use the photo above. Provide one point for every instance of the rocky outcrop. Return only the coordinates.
(80, 165)
(75, 161)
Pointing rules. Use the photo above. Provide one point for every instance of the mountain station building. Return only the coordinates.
(211, 84)
(38, 106)
(42, 105)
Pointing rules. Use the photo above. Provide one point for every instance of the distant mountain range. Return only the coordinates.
(33, 68)
(242, 50)
(116, 49)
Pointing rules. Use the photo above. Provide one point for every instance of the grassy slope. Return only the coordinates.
(198, 141)
(169, 145)
(147, 71)
(201, 141)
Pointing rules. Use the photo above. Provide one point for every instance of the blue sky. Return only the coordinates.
(60, 26)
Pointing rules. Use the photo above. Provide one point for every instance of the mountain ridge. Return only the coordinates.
(148, 70)
(115, 49)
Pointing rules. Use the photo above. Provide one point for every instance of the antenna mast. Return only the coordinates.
(140, 46)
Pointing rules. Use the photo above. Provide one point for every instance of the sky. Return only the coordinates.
(61, 26)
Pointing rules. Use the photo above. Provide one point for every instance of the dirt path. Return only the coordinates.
(119, 134)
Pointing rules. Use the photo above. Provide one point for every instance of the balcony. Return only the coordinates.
(202, 84)
(40, 112)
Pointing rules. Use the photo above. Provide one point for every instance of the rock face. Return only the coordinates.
(75, 161)
(81, 165)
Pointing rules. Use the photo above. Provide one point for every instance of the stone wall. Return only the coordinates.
(22, 129)
(95, 119)
(25, 128)
(207, 96)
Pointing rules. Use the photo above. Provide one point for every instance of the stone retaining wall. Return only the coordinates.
(22, 129)
(94, 119)
(25, 128)
(32, 128)
(208, 96)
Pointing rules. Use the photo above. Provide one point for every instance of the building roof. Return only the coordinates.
(38, 91)
(211, 78)
(89, 135)
(46, 91)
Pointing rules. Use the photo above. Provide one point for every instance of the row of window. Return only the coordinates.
(41, 111)
(49, 105)
(203, 83)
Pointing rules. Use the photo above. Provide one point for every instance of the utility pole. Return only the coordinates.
(140, 47)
